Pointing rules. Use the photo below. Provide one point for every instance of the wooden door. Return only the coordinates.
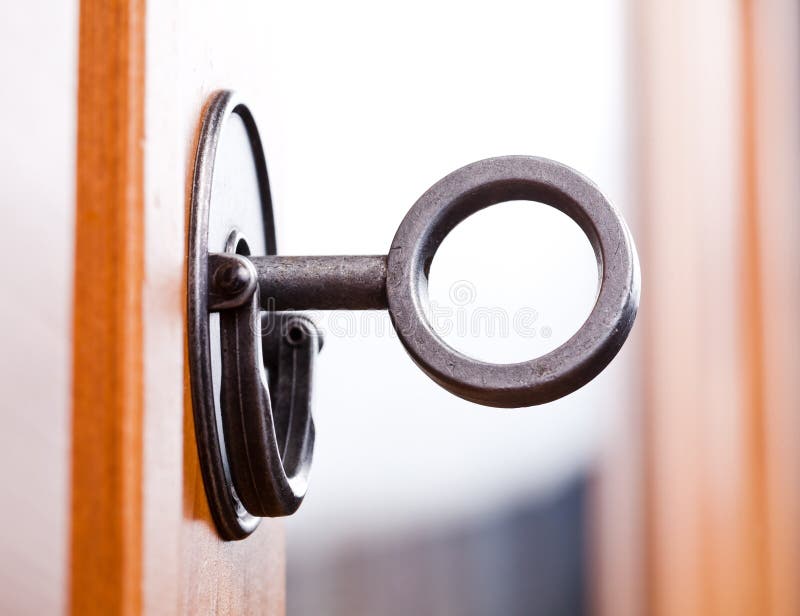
(141, 537)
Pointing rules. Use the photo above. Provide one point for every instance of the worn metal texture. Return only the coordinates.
(463, 193)
(321, 283)
(231, 518)
(269, 431)
(258, 463)
(231, 281)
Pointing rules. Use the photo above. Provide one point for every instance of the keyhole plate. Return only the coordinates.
(230, 195)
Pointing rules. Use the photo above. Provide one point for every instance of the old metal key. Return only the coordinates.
(258, 466)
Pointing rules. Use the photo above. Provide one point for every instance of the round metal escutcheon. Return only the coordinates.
(230, 194)
(472, 188)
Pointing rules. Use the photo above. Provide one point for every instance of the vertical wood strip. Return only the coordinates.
(772, 95)
(106, 524)
(704, 436)
(752, 300)
(718, 154)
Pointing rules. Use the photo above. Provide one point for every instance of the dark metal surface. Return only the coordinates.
(463, 193)
(399, 281)
(322, 283)
(269, 431)
(219, 222)
(230, 516)
(231, 281)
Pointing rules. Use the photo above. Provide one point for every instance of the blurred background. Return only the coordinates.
(421, 502)
(670, 485)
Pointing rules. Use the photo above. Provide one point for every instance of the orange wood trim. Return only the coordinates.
(703, 429)
(753, 352)
(106, 524)
(717, 158)
(771, 93)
